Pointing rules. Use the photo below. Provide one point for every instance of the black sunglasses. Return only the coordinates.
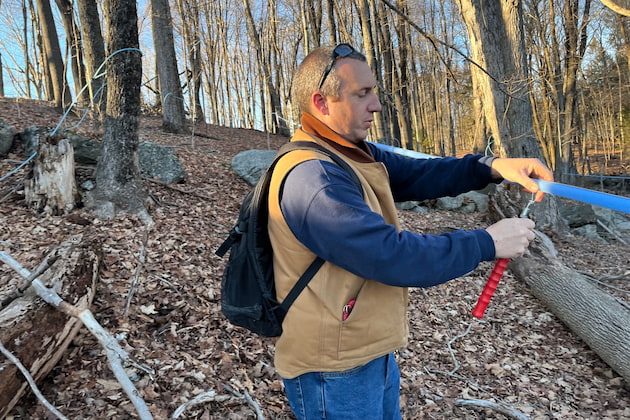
(340, 51)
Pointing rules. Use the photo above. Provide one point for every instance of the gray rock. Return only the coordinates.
(7, 132)
(578, 214)
(251, 164)
(86, 150)
(159, 162)
(589, 232)
(30, 138)
(156, 161)
(450, 203)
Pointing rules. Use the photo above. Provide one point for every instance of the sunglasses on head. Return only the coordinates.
(340, 51)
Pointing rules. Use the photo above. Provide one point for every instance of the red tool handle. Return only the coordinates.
(490, 287)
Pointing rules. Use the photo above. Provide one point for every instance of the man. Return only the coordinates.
(336, 352)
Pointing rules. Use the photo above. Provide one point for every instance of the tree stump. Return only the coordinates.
(38, 334)
(51, 185)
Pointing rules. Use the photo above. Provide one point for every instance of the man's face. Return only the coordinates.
(351, 115)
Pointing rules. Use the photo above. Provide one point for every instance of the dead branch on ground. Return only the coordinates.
(115, 353)
(498, 407)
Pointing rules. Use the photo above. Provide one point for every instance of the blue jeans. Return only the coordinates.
(368, 392)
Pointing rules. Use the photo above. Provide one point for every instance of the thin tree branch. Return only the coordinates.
(45, 265)
(498, 407)
(249, 399)
(433, 40)
(115, 353)
(198, 400)
(31, 382)
(134, 281)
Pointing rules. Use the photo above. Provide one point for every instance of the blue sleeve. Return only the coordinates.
(326, 212)
(421, 179)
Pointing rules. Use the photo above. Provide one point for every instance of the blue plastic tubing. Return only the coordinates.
(611, 201)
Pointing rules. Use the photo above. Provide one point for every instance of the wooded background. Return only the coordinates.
(231, 64)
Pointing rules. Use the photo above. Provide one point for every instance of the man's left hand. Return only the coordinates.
(522, 171)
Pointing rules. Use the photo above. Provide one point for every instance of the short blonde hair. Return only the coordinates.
(309, 73)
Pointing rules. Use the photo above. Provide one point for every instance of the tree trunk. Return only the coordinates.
(495, 31)
(94, 53)
(51, 185)
(265, 69)
(402, 88)
(54, 62)
(189, 13)
(73, 38)
(594, 315)
(370, 52)
(168, 75)
(44, 333)
(1, 77)
(118, 184)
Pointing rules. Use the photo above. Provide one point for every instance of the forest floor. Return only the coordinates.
(519, 355)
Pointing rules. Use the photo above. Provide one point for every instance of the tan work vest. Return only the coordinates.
(314, 338)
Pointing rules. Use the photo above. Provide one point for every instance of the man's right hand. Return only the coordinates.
(512, 236)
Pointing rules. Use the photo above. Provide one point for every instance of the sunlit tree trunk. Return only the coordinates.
(60, 94)
(365, 14)
(265, 74)
(94, 53)
(73, 38)
(171, 94)
(189, 13)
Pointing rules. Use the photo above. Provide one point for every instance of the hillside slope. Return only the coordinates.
(520, 355)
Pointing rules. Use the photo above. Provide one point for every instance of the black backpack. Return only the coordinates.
(248, 293)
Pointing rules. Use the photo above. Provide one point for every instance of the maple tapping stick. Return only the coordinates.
(495, 276)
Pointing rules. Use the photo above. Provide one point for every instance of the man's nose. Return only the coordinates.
(375, 104)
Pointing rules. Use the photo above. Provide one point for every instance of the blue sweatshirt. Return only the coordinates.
(326, 212)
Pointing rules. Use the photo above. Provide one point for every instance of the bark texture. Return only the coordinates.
(118, 184)
(51, 186)
(587, 310)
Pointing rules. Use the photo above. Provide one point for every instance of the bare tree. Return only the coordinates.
(367, 28)
(74, 44)
(168, 76)
(59, 93)
(1, 77)
(93, 53)
(265, 72)
(118, 184)
(189, 13)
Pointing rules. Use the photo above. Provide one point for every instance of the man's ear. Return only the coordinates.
(320, 104)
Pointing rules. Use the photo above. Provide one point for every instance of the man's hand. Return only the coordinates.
(522, 171)
(511, 237)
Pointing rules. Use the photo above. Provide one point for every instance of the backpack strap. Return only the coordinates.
(314, 267)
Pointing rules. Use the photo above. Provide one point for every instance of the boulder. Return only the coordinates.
(157, 162)
(7, 132)
(160, 163)
(251, 164)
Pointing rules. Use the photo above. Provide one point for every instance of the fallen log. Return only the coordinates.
(36, 333)
(591, 313)
(595, 316)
